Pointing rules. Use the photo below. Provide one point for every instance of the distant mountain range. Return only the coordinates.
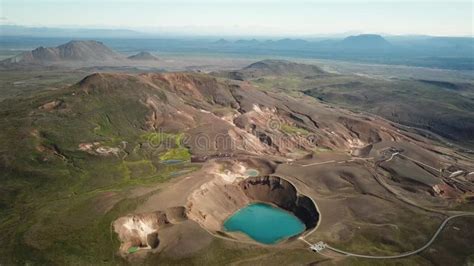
(356, 41)
(75, 33)
(423, 51)
(73, 52)
(365, 41)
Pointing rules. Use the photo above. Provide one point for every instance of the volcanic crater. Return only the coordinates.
(229, 198)
(230, 186)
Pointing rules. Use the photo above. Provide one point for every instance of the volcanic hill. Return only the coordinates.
(73, 51)
(144, 56)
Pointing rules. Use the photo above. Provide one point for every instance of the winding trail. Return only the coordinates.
(406, 254)
(318, 247)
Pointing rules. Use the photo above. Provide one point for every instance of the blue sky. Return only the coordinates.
(245, 17)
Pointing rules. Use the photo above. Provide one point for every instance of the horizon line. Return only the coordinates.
(157, 31)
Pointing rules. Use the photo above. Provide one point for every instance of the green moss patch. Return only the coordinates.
(132, 250)
(138, 169)
(176, 154)
(291, 130)
(159, 138)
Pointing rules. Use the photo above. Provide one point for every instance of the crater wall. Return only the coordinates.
(217, 200)
(278, 191)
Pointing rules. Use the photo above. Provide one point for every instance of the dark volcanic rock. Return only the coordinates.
(282, 193)
(152, 240)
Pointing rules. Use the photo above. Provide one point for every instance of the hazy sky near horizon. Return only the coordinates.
(246, 17)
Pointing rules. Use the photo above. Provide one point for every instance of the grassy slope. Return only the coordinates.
(460, 251)
(222, 252)
(14, 83)
(58, 202)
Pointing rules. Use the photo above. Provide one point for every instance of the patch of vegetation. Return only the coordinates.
(180, 153)
(132, 250)
(454, 245)
(104, 127)
(140, 169)
(222, 252)
(412, 260)
(409, 233)
(159, 138)
(293, 130)
(171, 144)
(14, 83)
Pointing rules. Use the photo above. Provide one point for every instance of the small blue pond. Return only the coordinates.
(252, 172)
(171, 161)
(264, 223)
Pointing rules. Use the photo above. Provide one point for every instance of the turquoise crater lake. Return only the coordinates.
(264, 223)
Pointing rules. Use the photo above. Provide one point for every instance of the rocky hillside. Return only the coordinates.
(444, 108)
(218, 118)
(243, 119)
(425, 106)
